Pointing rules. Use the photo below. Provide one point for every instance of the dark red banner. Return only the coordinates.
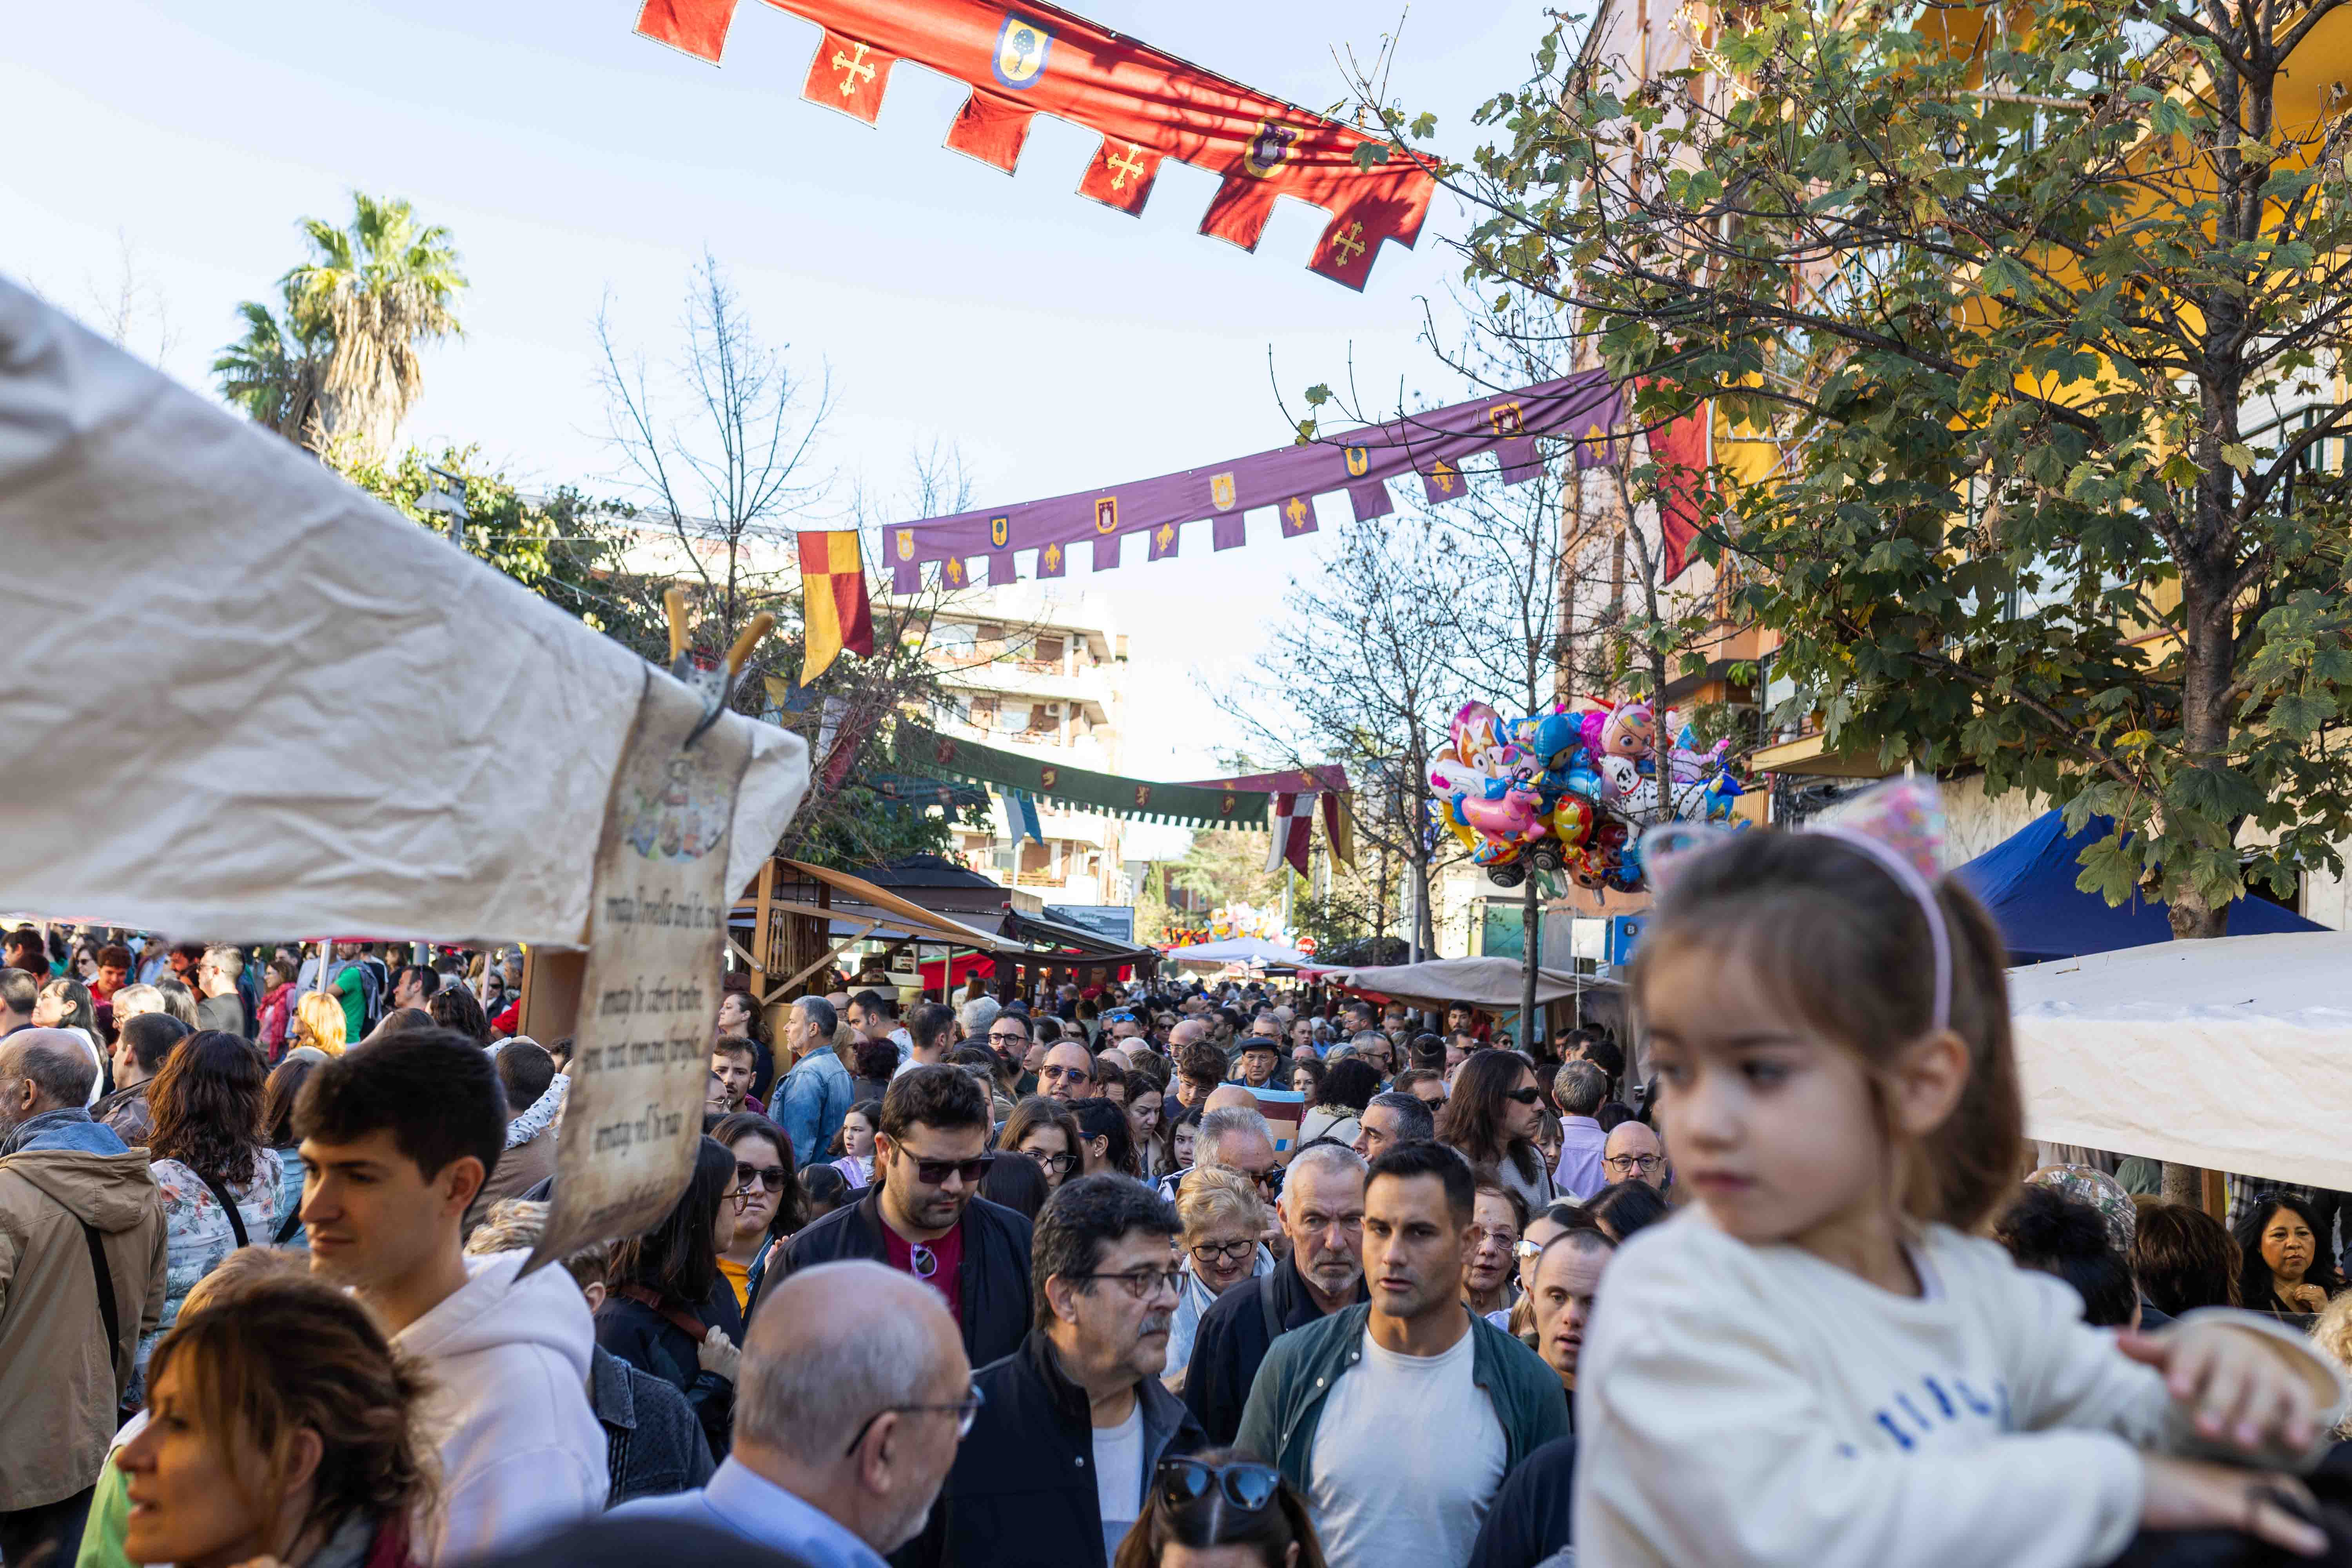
(1041, 59)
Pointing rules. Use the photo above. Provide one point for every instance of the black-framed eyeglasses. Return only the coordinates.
(1635, 1164)
(1009, 1037)
(1143, 1283)
(1246, 1484)
(932, 1172)
(769, 1176)
(967, 1410)
(1053, 1164)
(1222, 1251)
(1525, 1096)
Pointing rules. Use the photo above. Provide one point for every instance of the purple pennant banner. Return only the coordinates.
(1584, 409)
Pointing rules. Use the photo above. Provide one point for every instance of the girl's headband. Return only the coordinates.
(1899, 825)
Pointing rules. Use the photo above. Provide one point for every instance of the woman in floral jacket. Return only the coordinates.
(220, 1182)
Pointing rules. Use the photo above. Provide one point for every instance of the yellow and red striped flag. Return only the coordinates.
(835, 611)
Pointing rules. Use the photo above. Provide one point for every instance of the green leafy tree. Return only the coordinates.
(338, 358)
(2049, 303)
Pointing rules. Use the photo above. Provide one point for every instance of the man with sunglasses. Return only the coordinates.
(924, 1216)
(1332, 1397)
(853, 1399)
(1068, 1073)
(1073, 1423)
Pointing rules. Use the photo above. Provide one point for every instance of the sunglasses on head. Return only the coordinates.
(1247, 1485)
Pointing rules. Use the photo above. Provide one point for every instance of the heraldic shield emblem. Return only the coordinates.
(1359, 460)
(1221, 491)
(999, 530)
(1107, 514)
(906, 544)
(1021, 46)
(1268, 148)
(1048, 777)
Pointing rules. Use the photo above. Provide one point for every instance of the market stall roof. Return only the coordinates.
(856, 902)
(1044, 931)
(939, 884)
(1238, 950)
(2027, 882)
(1491, 982)
(2234, 1054)
(270, 703)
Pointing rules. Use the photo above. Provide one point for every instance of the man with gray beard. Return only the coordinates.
(1075, 1421)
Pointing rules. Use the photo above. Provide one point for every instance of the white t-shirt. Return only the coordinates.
(1381, 1500)
(1747, 1404)
(1118, 1477)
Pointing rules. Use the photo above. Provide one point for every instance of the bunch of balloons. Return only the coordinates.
(1572, 790)
(1240, 920)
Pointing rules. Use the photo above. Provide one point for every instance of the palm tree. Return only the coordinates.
(342, 365)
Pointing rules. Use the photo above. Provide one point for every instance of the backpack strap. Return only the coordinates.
(228, 1206)
(289, 1226)
(107, 1306)
(1266, 1307)
(678, 1317)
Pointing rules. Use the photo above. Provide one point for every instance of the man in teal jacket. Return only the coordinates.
(1398, 1419)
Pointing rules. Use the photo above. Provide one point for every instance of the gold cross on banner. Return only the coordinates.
(851, 69)
(1349, 242)
(1131, 165)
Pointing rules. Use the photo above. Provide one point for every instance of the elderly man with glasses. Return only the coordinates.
(853, 1397)
(1634, 1152)
(1053, 1474)
(1068, 1073)
(924, 1214)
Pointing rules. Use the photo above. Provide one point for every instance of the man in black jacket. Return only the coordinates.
(1322, 1213)
(924, 1216)
(1053, 1471)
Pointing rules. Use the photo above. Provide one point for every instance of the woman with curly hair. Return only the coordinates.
(285, 1426)
(220, 1183)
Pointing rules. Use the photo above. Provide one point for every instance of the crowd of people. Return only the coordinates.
(1154, 1276)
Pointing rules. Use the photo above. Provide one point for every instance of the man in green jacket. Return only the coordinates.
(1399, 1418)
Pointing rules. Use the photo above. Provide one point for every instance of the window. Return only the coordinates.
(953, 637)
(1049, 650)
(990, 633)
(1045, 719)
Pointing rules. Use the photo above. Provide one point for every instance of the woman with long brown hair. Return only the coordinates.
(221, 1185)
(1491, 1119)
(284, 1426)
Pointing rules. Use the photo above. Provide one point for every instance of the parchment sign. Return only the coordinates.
(641, 1053)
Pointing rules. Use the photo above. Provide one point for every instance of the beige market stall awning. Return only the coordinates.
(1495, 984)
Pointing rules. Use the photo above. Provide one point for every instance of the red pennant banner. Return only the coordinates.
(1146, 105)
(1680, 451)
(848, 75)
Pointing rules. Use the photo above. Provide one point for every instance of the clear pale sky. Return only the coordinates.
(1060, 344)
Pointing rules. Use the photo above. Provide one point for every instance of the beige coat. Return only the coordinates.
(59, 1383)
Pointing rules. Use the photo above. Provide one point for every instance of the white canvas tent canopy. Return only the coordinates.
(2230, 1055)
(1490, 983)
(249, 700)
(1238, 950)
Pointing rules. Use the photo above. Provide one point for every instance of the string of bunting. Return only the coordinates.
(1148, 105)
(1584, 409)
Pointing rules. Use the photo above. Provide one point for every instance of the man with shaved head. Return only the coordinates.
(853, 1395)
(72, 1196)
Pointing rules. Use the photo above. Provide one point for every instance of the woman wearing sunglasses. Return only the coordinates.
(1492, 1119)
(1217, 1510)
(769, 1205)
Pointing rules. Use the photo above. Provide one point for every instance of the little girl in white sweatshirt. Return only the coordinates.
(1815, 1363)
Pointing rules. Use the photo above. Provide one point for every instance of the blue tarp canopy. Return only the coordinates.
(2026, 881)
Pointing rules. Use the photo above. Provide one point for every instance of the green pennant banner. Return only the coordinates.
(1079, 789)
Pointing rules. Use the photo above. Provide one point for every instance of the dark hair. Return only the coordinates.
(1211, 1520)
(206, 1100)
(2255, 1290)
(454, 1007)
(114, 955)
(288, 1354)
(792, 1202)
(736, 1046)
(1139, 1083)
(677, 1259)
(1605, 1054)
(279, 1098)
(1841, 945)
(1417, 1157)
(823, 1190)
(151, 1037)
(81, 1012)
(561, 1051)
(877, 1060)
(1085, 1215)
(1415, 1120)
(2183, 1257)
(1472, 1120)
(935, 1095)
(1038, 1110)
(1201, 1062)
(1613, 1114)
(1627, 1207)
(402, 1021)
(1017, 1184)
(428, 980)
(1013, 1016)
(1427, 1052)
(525, 1069)
(2048, 1231)
(931, 1023)
(1349, 1083)
(1106, 1120)
(876, 1003)
(433, 1089)
(1318, 1075)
